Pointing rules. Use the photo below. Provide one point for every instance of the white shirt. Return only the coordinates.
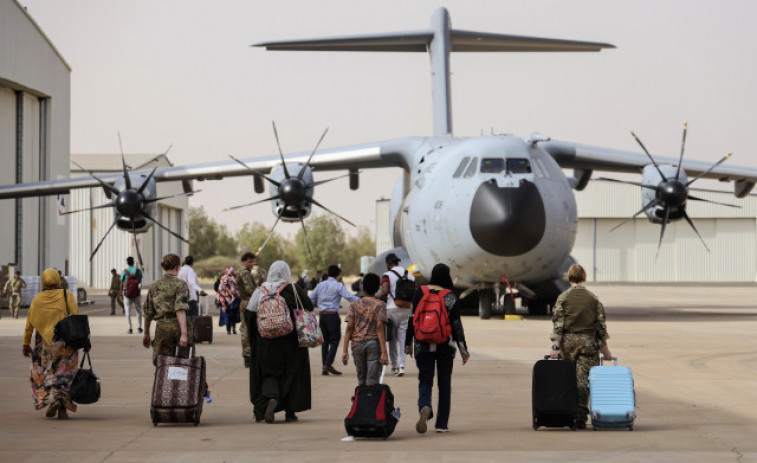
(393, 283)
(188, 274)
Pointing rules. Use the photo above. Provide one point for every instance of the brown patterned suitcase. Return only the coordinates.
(179, 389)
(203, 325)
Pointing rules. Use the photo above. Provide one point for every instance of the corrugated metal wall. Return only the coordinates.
(629, 254)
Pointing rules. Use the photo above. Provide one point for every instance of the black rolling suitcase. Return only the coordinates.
(372, 413)
(203, 325)
(554, 394)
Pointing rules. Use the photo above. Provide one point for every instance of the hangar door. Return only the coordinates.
(629, 254)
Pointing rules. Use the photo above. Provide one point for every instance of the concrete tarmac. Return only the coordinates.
(691, 349)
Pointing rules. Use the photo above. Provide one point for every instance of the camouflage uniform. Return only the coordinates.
(247, 282)
(579, 324)
(13, 288)
(164, 299)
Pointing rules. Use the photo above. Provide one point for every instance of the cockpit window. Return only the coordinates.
(492, 165)
(461, 167)
(518, 166)
(472, 168)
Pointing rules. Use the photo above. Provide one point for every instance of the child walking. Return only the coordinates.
(366, 333)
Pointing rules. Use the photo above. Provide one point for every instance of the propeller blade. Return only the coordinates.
(136, 244)
(653, 203)
(253, 172)
(662, 230)
(281, 153)
(688, 219)
(147, 180)
(710, 201)
(146, 216)
(250, 204)
(118, 216)
(649, 155)
(127, 180)
(161, 198)
(607, 179)
(331, 212)
(101, 206)
(145, 164)
(107, 186)
(305, 232)
(302, 171)
(321, 182)
(722, 160)
(270, 233)
(683, 143)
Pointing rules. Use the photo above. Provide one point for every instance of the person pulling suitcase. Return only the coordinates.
(579, 333)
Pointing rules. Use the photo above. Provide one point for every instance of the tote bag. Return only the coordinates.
(74, 329)
(305, 322)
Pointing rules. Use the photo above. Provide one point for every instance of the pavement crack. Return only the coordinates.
(134, 439)
(739, 455)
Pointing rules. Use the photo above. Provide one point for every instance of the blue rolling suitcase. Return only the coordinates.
(613, 400)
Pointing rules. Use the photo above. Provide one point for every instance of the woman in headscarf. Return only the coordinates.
(439, 356)
(280, 368)
(227, 293)
(54, 364)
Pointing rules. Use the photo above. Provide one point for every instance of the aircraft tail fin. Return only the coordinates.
(438, 41)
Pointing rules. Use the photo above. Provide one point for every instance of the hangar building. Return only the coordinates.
(35, 127)
(629, 254)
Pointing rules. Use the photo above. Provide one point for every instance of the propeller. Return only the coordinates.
(292, 191)
(672, 192)
(129, 204)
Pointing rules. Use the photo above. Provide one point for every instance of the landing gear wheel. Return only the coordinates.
(509, 305)
(485, 302)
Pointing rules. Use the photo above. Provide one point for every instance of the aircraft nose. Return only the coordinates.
(507, 221)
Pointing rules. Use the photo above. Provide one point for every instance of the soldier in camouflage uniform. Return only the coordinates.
(14, 285)
(166, 303)
(250, 277)
(579, 334)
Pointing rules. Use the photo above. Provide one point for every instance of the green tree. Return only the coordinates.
(251, 237)
(362, 244)
(207, 238)
(327, 242)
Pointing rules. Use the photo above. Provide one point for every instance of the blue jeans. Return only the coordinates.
(426, 362)
(331, 327)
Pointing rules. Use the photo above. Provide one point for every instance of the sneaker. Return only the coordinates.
(421, 425)
(401, 371)
(139, 329)
(395, 370)
(270, 410)
(442, 429)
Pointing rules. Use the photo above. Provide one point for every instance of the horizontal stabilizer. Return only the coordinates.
(418, 41)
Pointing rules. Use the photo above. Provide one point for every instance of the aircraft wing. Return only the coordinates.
(392, 153)
(585, 157)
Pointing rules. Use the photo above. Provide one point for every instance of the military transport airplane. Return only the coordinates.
(493, 208)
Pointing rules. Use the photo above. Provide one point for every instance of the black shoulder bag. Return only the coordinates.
(74, 329)
(85, 388)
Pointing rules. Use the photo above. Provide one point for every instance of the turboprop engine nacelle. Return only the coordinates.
(294, 194)
(671, 192)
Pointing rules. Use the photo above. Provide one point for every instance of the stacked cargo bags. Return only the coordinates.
(613, 400)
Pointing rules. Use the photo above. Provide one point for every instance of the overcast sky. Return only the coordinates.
(182, 72)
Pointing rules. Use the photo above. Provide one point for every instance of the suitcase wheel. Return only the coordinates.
(196, 417)
(210, 342)
(154, 418)
(536, 424)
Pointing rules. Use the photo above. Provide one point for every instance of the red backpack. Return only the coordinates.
(131, 288)
(431, 320)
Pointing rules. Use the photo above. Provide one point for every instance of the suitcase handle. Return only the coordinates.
(190, 352)
(547, 357)
(602, 359)
(383, 374)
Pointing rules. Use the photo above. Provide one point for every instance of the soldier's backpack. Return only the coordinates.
(274, 320)
(403, 291)
(131, 288)
(431, 320)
